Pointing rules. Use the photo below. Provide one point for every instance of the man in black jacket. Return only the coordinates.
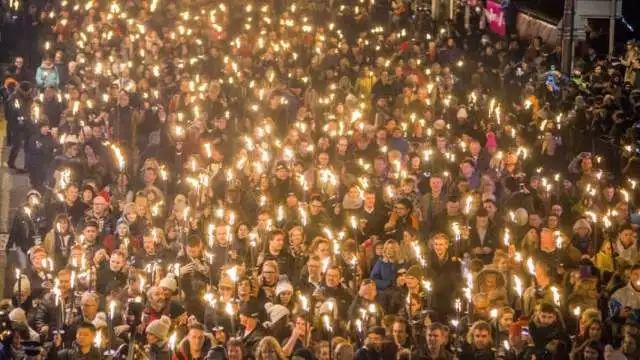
(252, 331)
(82, 349)
(276, 252)
(445, 275)
(18, 113)
(478, 345)
(372, 349)
(39, 155)
(545, 328)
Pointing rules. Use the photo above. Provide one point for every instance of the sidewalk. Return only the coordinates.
(13, 188)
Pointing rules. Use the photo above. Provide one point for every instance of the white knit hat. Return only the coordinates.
(18, 315)
(160, 328)
(276, 312)
(283, 285)
(169, 283)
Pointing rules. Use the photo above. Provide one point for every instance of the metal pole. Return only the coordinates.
(567, 38)
(467, 15)
(612, 25)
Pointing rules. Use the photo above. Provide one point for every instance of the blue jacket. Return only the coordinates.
(47, 77)
(384, 274)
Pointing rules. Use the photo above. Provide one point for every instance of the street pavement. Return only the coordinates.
(13, 189)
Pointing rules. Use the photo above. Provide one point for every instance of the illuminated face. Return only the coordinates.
(71, 193)
(506, 320)
(148, 244)
(221, 235)
(323, 250)
(269, 274)
(234, 352)
(635, 278)
(435, 340)
(84, 337)
(332, 278)
(481, 339)
(36, 259)
(123, 230)
(89, 308)
(195, 338)
(369, 291)
(546, 319)
(323, 159)
(314, 268)
(595, 331)
(65, 282)
(285, 297)
(194, 251)
(626, 237)
(369, 200)
(399, 332)
(276, 244)
(99, 205)
(440, 246)
(295, 237)
(116, 262)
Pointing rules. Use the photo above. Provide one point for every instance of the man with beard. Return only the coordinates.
(47, 314)
(89, 238)
(478, 344)
(276, 252)
(318, 219)
(444, 273)
(333, 288)
(372, 348)
(102, 216)
(311, 279)
(194, 274)
(150, 251)
(71, 205)
(436, 340)
(546, 328)
(156, 305)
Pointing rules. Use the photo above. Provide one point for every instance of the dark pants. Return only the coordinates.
(18, 141)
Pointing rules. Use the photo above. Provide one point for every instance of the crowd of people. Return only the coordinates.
(316, 180)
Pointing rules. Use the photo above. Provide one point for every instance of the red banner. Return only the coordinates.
(495, 18)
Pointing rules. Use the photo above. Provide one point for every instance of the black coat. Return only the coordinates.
(39, 156)
(105, 276)
(445, 276)
(250, 342)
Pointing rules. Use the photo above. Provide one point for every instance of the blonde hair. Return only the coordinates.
(269, 343)
(581, 223)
